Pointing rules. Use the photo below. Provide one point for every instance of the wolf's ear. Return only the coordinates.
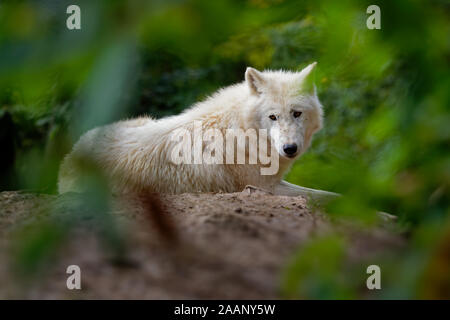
(307, 70)
(305, 79)
(255, 80)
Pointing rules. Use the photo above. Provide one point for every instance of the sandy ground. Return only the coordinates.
(207, 246)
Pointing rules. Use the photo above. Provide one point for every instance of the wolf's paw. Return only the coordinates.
(249, 189)
(387, 217)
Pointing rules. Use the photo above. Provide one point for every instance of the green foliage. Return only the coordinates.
(316, 271)
(36, 247)
(385, 142)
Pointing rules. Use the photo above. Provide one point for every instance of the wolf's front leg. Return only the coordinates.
(318, 196)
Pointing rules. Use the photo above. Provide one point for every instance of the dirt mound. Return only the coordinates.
(226, 246)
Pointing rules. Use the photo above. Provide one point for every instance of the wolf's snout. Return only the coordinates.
(290, 149)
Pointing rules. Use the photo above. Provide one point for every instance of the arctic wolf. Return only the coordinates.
(135, 155)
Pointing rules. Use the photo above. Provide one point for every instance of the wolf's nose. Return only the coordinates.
(290, 149)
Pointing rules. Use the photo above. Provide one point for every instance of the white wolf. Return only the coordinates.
(135, 154)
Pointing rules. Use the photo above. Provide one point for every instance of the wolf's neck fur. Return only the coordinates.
(228, 104)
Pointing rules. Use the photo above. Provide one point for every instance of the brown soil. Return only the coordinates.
(217, 246)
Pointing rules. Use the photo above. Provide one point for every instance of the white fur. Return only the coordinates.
(135, 154)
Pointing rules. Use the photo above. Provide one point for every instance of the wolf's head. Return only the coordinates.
(287, 106)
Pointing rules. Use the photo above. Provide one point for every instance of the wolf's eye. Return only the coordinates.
(297, 114)
(273, 117)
